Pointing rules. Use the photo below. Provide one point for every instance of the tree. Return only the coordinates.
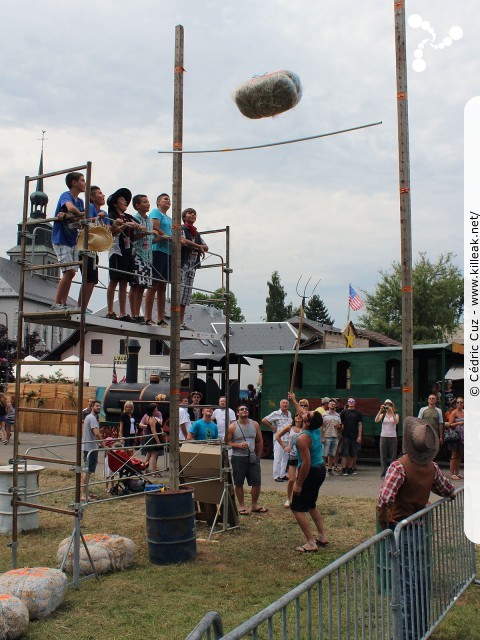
(236, 314)
(437, 301)
(317, 311)
(276, 310)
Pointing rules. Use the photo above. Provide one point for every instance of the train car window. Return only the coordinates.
(392, 374)
(298, 382)
(96, 347)
(343, 374)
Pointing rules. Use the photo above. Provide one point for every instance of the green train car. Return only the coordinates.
(369, 375)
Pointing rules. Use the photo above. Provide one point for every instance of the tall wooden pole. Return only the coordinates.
(405, 210)
(175, 371)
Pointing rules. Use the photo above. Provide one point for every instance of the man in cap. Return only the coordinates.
(276, 421)
(406, 490)
(323, 408)
(352, 436)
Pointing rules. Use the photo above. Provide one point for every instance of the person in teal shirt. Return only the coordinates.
(310, 477)
(205, 428)
(162, 260)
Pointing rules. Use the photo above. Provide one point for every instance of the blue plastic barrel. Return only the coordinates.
(171, 534)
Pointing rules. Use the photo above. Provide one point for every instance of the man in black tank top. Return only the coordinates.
(245, 440)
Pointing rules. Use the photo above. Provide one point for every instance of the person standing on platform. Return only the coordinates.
(124, 230)
(70, 210)
(142, 257)
(162, 261)
(276, 421)
(95, 213)
(193, 250)
(219, 417)
(245, 439)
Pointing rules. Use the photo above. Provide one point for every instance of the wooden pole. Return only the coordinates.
(405, 210)
(175, 370)
(297, 345)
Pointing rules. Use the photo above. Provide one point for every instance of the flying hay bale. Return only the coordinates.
(268, 95)
(41, 589)
(109, 552)
(13, 617)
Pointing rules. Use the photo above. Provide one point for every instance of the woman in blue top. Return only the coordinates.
(310, 477)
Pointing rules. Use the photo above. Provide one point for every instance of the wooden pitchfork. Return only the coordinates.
(300, 326)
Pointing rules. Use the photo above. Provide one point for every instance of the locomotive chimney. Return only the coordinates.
(133, 347)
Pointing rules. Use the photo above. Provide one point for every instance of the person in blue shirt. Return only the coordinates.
(70, 210)
(162, 260)
(205, 428)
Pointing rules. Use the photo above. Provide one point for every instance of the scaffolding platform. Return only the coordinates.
(71, 320)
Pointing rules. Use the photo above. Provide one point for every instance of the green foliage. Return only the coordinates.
(276, 310)
(317, 311)
(437, 301)
(236, 314)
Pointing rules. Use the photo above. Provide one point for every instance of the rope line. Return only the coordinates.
(276, 144)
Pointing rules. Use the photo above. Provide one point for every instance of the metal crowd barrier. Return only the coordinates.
(397, 585)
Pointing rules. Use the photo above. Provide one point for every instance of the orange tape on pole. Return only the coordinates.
(177, 146)
(404, 189)
(174, 392)
(407, 289)
(401, 95)
(407, 390)
(179, 69)
(174, 308)
(176, 226)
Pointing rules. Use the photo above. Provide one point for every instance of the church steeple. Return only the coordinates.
(39, 199)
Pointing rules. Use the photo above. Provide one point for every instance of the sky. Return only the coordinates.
(98, 78)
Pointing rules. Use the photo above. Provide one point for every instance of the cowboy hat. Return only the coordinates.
(99, 239)
(119, 193)
(420, 440)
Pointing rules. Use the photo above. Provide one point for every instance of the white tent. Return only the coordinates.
(68, 371)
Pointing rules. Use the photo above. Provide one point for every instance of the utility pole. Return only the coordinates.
(175, 371)
(405, 209)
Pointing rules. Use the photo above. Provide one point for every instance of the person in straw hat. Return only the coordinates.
(406, 490)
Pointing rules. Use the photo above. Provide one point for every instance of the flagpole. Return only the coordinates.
(348, 310)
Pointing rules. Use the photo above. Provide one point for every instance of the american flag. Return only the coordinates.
(354, 300)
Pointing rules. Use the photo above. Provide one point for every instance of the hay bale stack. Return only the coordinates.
(108, 552)
(268, 95)
(41, 589)
(13, 617)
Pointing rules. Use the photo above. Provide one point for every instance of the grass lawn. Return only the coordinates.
(237, 574)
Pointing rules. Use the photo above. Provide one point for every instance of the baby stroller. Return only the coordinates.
(130, 471)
